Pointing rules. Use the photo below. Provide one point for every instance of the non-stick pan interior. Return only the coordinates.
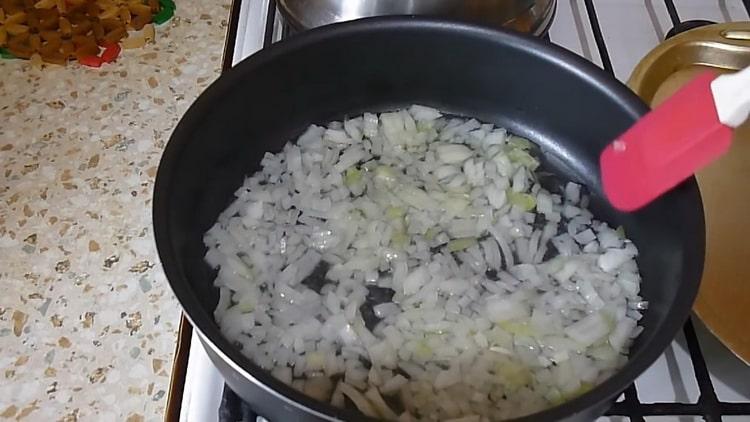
(561, 102)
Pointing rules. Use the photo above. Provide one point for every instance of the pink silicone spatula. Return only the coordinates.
(685, 133)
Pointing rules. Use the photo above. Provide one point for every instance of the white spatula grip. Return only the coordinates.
(732, 97)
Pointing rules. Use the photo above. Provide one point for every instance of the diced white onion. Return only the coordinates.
(401, 255)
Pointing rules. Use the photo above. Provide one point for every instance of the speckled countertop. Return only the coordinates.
(87, 321)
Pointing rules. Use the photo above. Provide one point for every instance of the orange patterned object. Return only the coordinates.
(58, 31)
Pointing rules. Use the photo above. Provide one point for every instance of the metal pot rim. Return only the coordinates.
(541, 26)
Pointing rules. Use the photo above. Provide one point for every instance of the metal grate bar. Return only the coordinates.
(270, 21)
(598, 37)
(708, 405)
(672, 10)
(234, 16)
(629, 407)
(707, 400)
(676, 409)
(234, 409)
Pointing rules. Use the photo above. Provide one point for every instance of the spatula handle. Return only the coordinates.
(732, 97)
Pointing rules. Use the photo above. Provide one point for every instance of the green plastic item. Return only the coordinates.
(5, 54)
(164, 15)
(167, 11)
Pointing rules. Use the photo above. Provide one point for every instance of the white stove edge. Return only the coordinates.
(671, 377)
(203, 386)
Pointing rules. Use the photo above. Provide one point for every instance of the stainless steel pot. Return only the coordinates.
(528, 16)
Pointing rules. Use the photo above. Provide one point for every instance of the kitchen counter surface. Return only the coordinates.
(87, 321)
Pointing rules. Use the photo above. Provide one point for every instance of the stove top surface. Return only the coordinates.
(696, 378)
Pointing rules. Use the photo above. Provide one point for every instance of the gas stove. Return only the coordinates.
(696, 378)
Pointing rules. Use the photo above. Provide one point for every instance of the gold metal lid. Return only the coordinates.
(724, 299)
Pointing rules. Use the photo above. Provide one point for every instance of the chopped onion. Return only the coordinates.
(407, 255)
(381, 407)
(588, 330)
(358, 399)
(453, 153)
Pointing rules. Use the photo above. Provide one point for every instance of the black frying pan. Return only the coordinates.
(565, 104)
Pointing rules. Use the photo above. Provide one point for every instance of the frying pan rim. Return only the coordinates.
(194, 116)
